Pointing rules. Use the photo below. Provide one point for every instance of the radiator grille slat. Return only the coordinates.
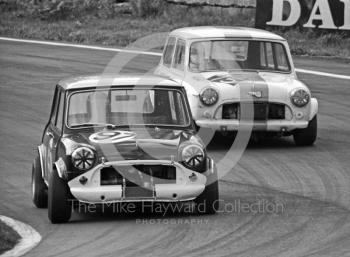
(263, 111)
(138, 175)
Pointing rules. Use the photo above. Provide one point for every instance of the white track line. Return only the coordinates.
(29, 237)
(80, 46)
(98, 48)
(324, 74)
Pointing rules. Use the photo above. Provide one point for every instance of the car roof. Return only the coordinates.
(97, 81)
(202, 32)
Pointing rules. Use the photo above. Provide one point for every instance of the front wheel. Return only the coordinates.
(208, 201)
(306, 136)
(59, 209)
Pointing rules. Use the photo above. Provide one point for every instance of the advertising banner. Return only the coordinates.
(317, 14)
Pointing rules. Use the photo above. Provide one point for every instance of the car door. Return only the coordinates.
(53, 131)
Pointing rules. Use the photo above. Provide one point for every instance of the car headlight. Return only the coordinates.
(209, 96)
(300, 97)
(193, 157)
(83, 158)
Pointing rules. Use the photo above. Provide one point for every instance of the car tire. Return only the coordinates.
(39, 188)
(59, 208)
(307, 136)
(208, 201)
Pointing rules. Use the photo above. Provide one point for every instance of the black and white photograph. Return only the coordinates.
(175, 128)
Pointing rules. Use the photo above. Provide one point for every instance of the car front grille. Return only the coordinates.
(262, 111)
(135, 175)
(138, 181)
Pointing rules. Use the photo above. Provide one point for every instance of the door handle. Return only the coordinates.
(50, 134)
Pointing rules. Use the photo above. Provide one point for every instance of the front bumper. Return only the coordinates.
(294, 118)
(271, 125)
(185, 189)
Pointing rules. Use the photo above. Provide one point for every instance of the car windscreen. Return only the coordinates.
(218, 55)
(127, 107)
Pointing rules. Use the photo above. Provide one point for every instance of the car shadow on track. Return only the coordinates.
(237, 201)
(140, 212)
(221, 142)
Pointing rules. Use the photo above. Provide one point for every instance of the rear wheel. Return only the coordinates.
(208, 201)
(59, 208)
(307, 136)
(39, 188)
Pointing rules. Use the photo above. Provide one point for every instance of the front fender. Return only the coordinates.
(314, 108)
(41, 158)
(61, 168)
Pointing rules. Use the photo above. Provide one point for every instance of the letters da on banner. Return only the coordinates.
(322, 14)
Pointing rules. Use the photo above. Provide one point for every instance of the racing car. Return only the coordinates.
(121, 139)
(241, 77)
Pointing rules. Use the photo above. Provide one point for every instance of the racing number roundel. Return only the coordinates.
(110, 137)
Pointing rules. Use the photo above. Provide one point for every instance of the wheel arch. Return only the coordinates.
(313, 108)
(41, 158)
(61, 168)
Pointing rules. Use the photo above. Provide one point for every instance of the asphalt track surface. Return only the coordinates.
(312, 183)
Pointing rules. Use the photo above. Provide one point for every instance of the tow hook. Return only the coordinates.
(193, 177)
(83, 180)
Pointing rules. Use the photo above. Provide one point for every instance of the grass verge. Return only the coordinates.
(8, 238)
(121, 29)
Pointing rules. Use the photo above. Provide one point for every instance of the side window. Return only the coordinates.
(56, 98)
(169, 50)
(60, 110)
(281, 58)
(179, 55)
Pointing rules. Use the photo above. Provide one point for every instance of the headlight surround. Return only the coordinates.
(209, 96)
(193, 157)
(83, 158)
(300, 97)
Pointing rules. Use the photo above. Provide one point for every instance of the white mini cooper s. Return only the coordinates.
(241, 77)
